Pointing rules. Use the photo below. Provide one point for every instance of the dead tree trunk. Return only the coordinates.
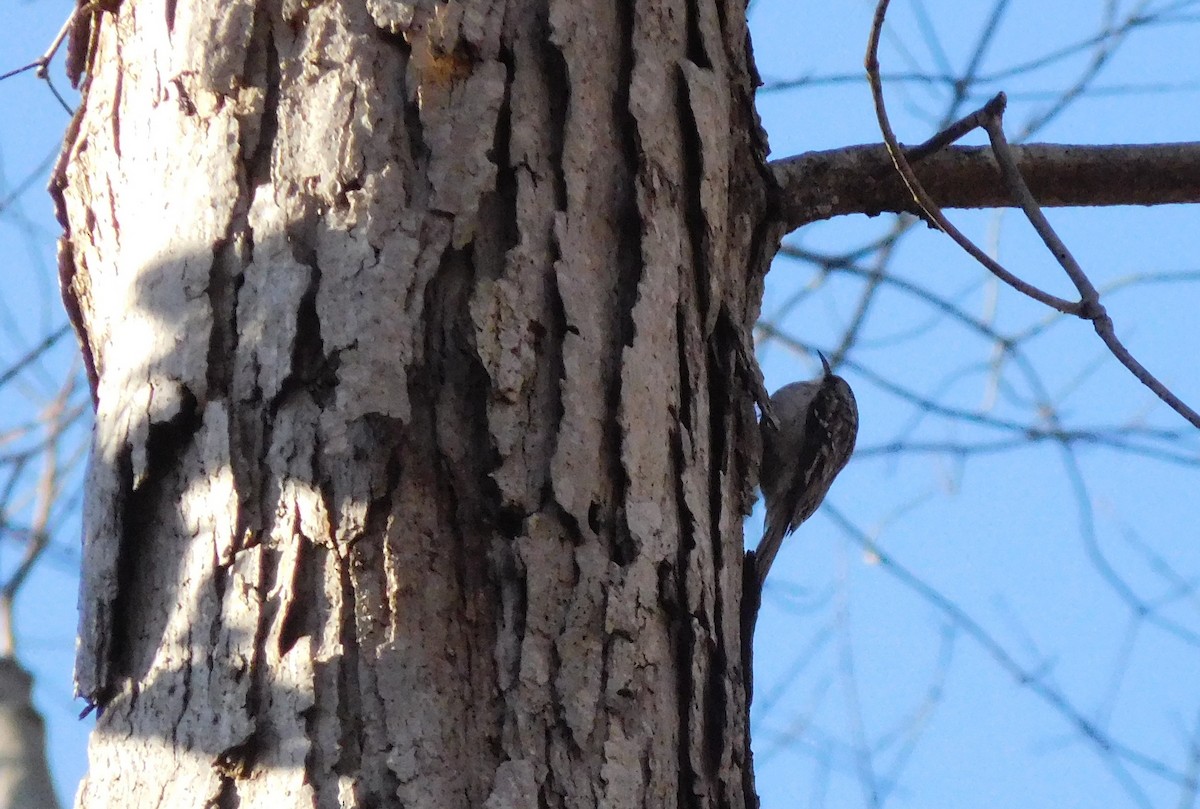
(25, 781)
(423, 433)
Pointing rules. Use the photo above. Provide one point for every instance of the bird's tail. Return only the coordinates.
(768, 546)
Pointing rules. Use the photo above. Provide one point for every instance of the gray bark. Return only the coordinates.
(24, 775)
(423, 433)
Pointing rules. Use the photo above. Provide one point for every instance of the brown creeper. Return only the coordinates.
(802, 454)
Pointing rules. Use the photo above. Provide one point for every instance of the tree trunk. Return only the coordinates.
(24, 774)
(424, 431)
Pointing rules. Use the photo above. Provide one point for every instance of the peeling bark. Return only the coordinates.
(422, 439)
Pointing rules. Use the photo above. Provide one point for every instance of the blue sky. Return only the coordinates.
(867, 691)
(882, 695)
(29, 309)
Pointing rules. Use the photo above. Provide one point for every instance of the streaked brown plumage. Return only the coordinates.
(817, 427)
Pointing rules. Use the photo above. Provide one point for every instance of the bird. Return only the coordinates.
(805, 446)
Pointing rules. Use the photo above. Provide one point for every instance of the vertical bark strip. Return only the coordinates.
(422, 444)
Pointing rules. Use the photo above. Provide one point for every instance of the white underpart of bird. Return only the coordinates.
(817, 427)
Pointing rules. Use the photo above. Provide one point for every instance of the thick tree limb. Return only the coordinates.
(862, 179)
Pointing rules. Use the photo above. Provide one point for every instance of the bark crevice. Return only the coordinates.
(415, 403)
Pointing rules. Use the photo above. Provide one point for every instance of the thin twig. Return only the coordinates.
(1090, 307)
(863, 764)
(39, 533)
(32, 355)
(947, 136)
(41, 65)
(42, 62)
(1105, 745)
(990, 116)
(926, 203)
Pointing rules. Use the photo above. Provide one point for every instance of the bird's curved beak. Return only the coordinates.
(825, 363)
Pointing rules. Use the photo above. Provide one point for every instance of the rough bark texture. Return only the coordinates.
(422, 438)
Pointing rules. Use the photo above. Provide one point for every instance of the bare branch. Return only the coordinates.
(1088, 307)
(862, 179)
(1123, 438)
(1106, 746)
(41, 65)
(1091, 308)
(33, 354)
